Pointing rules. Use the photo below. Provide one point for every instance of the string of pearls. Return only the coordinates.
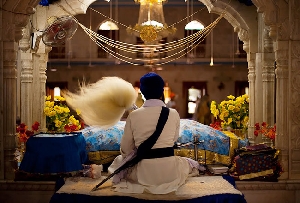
(185, 45)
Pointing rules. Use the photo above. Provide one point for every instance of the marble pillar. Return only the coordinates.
(26, 78)
(11, 34)
(282, 95)
(268, 82)
(251, 80)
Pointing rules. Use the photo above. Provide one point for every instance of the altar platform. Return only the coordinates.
(283, 191)
(196, 190)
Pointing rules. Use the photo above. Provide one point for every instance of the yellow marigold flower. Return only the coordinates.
(75, 122)
(231, 107)
(49, 103)
(231, 97)
(59, 109)
(230, 102)
(245, 96)
(240, 99)
(233, 112)
(57, 123)
(58, 115)
(59, 98)
(65, 110)
(215, 112)
(52, 113)
(221, 116)
(223, 103)
(71, 118)
(226, 113)
(78, 112)
(46, 109)
(47, 98)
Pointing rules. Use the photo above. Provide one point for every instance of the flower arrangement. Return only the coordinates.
(266, 130)
(23, 133)
(216, 125)
(233, 113)
(59, 117)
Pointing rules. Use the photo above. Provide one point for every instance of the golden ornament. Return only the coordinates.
(148, 33)
(149, 1)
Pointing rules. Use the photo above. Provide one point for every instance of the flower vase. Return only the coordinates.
(19, 154)
(22, 149)
(267, 141)
(239, 132)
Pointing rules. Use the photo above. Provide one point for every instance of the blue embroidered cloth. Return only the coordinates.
(98, 139)
(61, 153)
(54, 153)
(103, 139)
(212, 140)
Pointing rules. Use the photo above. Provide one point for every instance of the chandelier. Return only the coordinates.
(151, 34)
(151, 26)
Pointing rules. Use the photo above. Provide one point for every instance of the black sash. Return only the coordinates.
(159, 153)
(145, 148)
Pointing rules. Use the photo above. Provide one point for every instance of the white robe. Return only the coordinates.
(160, 175)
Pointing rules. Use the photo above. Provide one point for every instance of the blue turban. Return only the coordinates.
(152, 86)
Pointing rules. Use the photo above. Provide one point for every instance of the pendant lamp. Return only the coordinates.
(151, 26)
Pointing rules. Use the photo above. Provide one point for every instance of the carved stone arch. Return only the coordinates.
(21, 13)
(24, 43)
(243, 35)
(270, 15)
(75, 7)
(268, 9)
(229, 11)
(22, 7)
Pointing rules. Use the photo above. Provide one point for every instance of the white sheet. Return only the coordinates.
(194, 187)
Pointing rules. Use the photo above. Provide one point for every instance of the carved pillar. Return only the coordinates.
(295, 110)
(268, 82)
(42, 85)
(244, 36)
(294, 46)
(9, 110)
(26, 77)
(268, 79)
(40, 77)
(251, 79)
(278, 18)
(282, 93)
(258, 94)
(12, 32)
